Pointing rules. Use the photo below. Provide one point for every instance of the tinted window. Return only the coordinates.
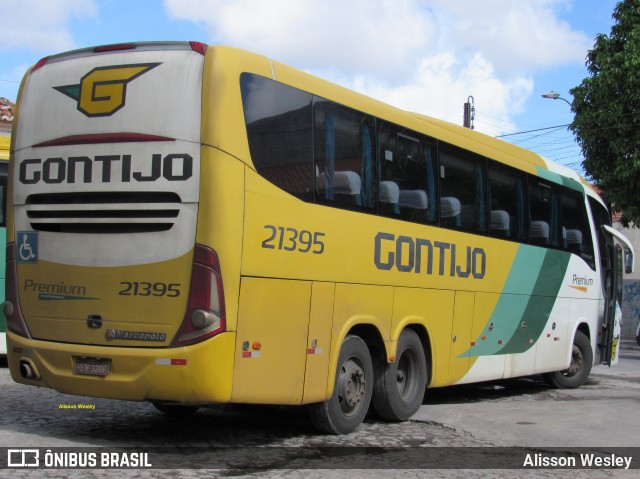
(576, 234)
(507, 192)
(543, 213)
(462, 186)
(407, 186)
(344, 156)
(600, 217)
(279, 129)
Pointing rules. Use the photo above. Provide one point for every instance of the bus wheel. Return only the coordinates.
(175, 410)
(346, 408)
(580, 367)
(399, 388)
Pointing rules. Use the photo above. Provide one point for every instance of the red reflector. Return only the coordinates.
(178, 362)
(42, 62)
(199, 47)
(115, 48)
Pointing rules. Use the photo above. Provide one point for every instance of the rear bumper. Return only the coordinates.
(196, 374)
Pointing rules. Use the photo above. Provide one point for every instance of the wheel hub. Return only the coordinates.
(576, 361)
(351, 386)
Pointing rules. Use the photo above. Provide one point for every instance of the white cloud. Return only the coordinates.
(442, 83)
(424, 55)
(513, 36)
(367, 36)
(41, 25)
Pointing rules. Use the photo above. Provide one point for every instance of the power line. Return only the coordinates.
(533, 131)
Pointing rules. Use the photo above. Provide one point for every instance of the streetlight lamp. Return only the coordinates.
(554, 95)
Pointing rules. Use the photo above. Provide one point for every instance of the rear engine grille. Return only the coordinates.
(103, 213)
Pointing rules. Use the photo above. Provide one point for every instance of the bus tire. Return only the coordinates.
(347, 407)
(400, 386)
(175, 410)
(579, 369)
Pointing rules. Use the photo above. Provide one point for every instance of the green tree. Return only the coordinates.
(607, 112)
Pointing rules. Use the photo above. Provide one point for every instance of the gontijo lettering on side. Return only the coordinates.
(419, 255)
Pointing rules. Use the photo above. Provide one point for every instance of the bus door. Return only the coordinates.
(616, 257)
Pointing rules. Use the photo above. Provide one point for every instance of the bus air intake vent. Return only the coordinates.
(103, 213)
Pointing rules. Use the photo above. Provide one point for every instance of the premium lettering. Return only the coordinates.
(54, 288)
(582, 280)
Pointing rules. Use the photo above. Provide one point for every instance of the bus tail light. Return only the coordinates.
(116, 47)
(205, 311)
(42, 62)
(199, 47)
(11, 308)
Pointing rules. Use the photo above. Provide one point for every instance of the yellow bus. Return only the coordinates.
(5, 140)
(192, 225)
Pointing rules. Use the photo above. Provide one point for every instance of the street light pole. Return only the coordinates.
(554, 95)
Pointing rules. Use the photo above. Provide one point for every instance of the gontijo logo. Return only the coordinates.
(103, 90)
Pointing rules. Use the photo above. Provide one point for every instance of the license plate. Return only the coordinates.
(92, 366)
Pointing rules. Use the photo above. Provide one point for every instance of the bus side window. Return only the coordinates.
(543, 213)
(389, 187)
(507, 188)
(575, 226)
(600, 217)
(344, 156)
(406, 169)
(279, 130)
(463, 189)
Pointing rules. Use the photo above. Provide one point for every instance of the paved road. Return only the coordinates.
(522, 413)
(605, 412)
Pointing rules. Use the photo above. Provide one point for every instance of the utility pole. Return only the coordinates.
(469, 113)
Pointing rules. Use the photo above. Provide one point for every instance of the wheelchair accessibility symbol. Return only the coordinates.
(27, 247)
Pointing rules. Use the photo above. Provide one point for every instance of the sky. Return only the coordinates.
(427, 56)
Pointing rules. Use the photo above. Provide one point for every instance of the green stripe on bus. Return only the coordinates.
(530, 293)
(559, 179)
(540, 305)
